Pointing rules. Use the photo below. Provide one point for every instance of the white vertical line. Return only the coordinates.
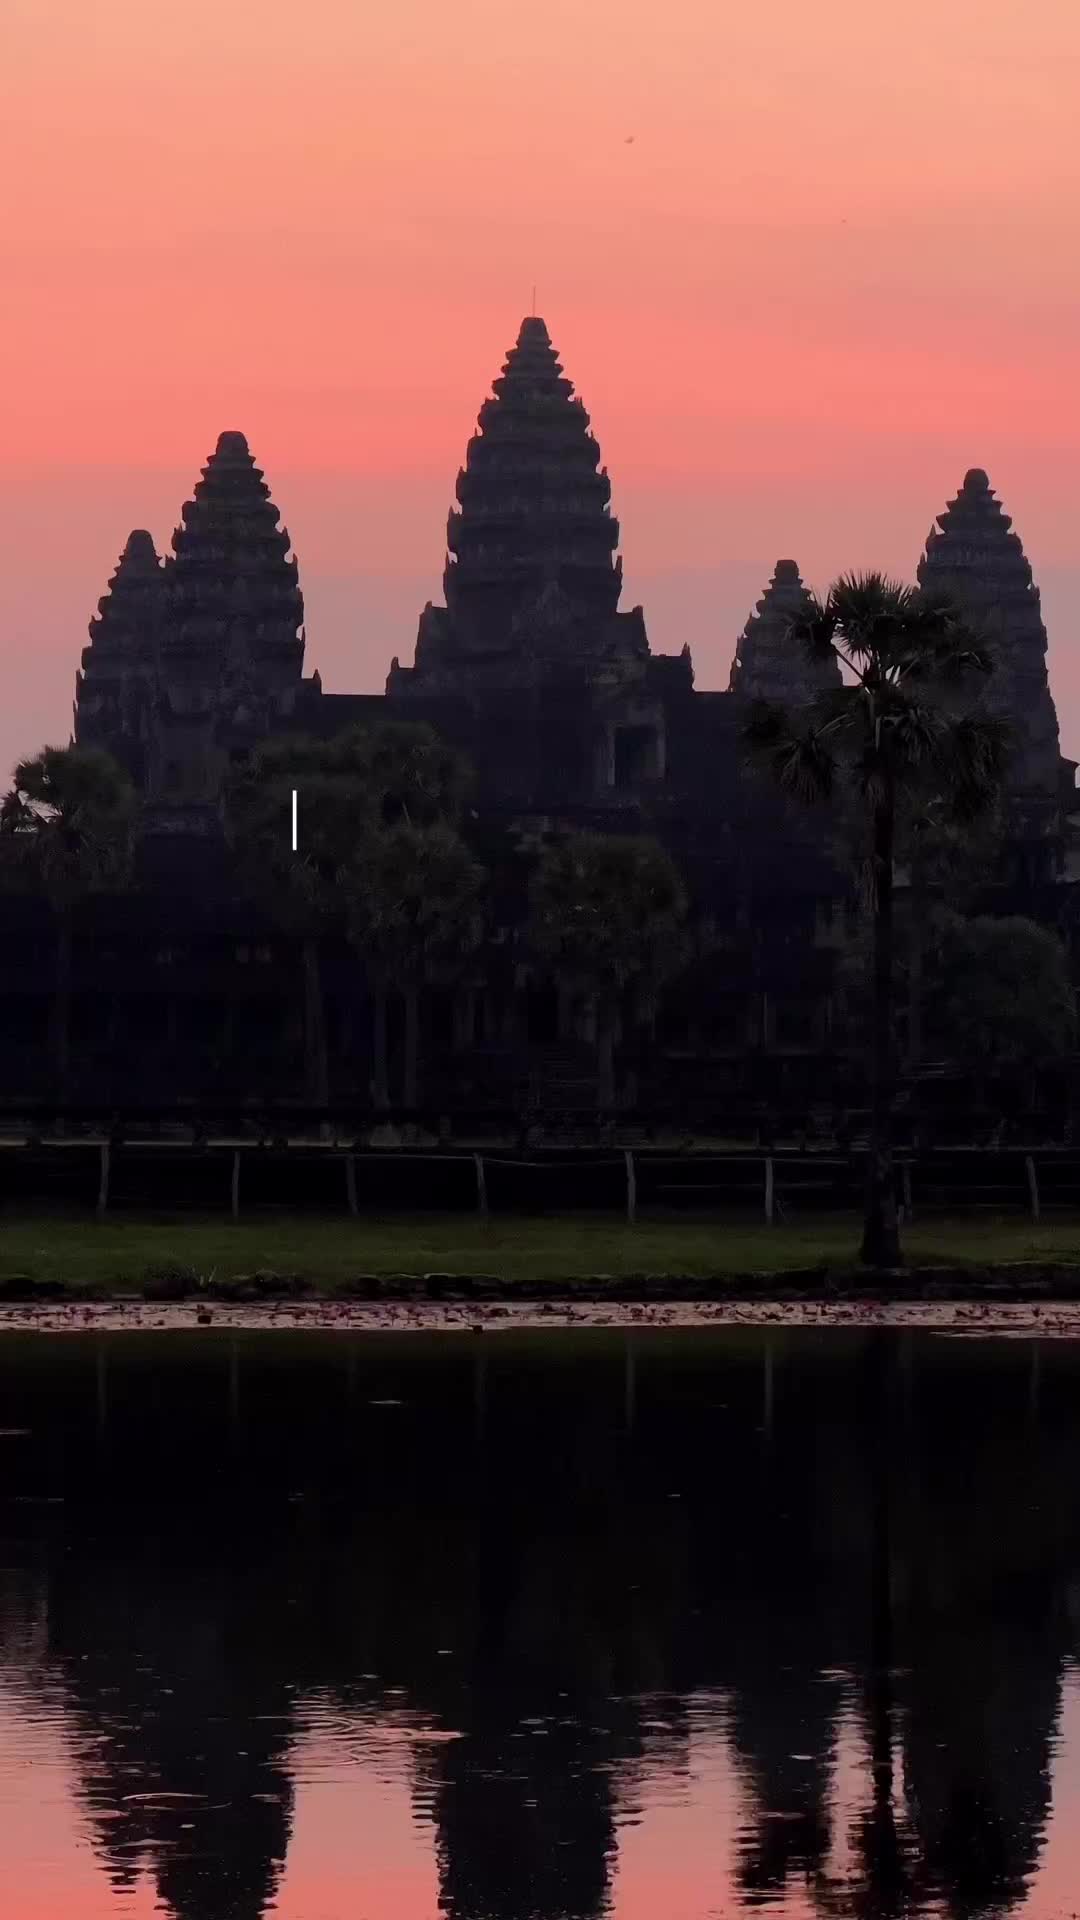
(294, 819)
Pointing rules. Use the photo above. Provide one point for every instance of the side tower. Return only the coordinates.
(566, 701)
(233, 649)
(115, 687)
(768, 664)
(973, 556)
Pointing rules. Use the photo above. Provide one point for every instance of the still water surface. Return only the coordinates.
(660, 1626)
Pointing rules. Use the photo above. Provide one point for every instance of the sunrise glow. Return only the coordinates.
(802, 277)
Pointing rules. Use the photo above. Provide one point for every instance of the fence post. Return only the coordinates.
(236, 1184)
(350, 1181)
(481, 1185)
(770, 1191)
(1033, 1186)
(103, 1182)
(631, 1186)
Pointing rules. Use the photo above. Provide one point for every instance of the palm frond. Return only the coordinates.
(813, 629)
(972, 758)
(869, 611)
(893, 737)
(16, 814)
(802, 763)
(912, 732)
(940, 643)
(833, 710)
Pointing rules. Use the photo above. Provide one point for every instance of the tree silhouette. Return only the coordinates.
(891, 736)
(413, 898)
(605, 911)
(70, 818)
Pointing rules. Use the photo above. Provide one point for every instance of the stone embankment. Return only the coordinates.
(1020, 1281)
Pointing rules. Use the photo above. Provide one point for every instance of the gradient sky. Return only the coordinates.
(805, 264)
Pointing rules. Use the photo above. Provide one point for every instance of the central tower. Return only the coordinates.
(530, 664)
(534, 502)
(531, 569)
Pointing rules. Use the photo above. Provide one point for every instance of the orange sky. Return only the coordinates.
(837, 264)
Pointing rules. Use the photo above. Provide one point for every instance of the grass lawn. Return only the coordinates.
(118, 1251)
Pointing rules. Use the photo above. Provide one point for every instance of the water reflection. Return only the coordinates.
(539, 1627)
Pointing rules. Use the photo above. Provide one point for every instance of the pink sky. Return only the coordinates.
(837, 264)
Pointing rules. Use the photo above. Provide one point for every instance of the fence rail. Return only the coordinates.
(111, 1176)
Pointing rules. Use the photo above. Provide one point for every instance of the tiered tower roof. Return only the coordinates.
(769, 664)
(234, 597)
(973, 556)
(126, 624)
(115, 689)
(533, 499)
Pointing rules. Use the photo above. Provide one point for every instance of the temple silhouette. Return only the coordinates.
(530, 664)
(533, 670)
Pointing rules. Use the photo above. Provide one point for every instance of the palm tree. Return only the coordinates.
(894, 734)
(70, 814)
(608, 910)
(413, 908)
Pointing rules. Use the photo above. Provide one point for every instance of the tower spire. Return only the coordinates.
(234, 591)
(233, 650)
(533, 503)
(973, 556)
(768, 664)
(114, 691)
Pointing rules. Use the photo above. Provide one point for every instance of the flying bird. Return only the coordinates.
(629, 140)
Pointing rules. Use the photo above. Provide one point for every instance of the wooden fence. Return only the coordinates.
(110, 1177)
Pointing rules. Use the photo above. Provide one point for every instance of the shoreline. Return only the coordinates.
(1057, 1320)
(1017, 1281)
(1018, 1299)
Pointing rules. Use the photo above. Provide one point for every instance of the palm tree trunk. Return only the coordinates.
(881, 1234)
(316, 1070)
(379, 1089)
(61, 1034)
(915, 979)
(412, 1045)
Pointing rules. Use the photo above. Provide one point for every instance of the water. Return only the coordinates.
(660, 1626)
